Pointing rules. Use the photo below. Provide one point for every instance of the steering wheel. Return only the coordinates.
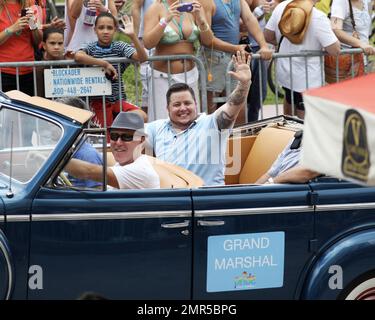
(64, 179)
(34, 161)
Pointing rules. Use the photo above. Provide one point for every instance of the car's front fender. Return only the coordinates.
(354, 255)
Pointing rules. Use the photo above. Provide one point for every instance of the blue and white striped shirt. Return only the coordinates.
(117, 49)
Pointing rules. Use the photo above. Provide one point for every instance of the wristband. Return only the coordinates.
(8, 32)
(163, 22)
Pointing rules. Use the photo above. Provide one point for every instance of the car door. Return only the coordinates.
(129, 244)
(250, 242)
(341, 207)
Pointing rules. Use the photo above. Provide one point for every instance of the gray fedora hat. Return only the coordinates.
(129, 121)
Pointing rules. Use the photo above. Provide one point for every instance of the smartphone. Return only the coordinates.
(185, 7)
(23, 12)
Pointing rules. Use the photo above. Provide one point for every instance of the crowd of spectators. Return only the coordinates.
(217, 32)
(213, 30)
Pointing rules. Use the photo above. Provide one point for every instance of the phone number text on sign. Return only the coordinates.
(65, 82)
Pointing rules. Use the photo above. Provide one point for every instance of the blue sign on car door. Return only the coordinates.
(258, 256)
(251, 243)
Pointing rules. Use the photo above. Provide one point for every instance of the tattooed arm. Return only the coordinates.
(227, 114)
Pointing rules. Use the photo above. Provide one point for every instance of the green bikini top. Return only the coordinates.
(170, 36)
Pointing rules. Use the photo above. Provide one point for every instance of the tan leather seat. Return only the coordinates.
(267, 146)
(173, 176)
(237, 152)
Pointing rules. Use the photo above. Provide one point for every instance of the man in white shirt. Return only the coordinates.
(317, 36)
(132, 169)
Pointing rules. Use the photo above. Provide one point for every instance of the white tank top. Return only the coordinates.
(78, 36)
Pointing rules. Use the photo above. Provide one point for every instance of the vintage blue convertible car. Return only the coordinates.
(239, 241)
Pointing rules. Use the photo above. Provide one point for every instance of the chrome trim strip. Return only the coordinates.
(18, 218)
(10, 275)
(346, 206)
(251, 211)
(111, 215)
(1, 218)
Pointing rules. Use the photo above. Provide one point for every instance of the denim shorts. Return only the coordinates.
(216, 63)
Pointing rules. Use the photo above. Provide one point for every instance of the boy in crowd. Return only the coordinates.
(105, 47)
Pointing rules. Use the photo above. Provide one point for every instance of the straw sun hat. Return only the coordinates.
(295, 20)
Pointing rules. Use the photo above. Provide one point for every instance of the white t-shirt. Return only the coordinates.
(137, 175)
(318, 36)
(340, 9)
(82, 34)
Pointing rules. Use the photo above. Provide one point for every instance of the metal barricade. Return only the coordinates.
(306, 55)
(39, 66)
(202, 106)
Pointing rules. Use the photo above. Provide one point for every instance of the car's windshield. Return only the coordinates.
(26, 142)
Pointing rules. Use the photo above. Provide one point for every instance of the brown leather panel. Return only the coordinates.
(241, 146)
(171, 175)
(268, 144)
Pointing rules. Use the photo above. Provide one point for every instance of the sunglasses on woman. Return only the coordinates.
(125, 137)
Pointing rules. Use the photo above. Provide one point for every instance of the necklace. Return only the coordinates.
(208, 62)
(18, 33)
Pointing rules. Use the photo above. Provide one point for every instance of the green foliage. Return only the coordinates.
(130, 87)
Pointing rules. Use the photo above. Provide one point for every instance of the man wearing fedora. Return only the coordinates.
(297, 26)
(132, 169)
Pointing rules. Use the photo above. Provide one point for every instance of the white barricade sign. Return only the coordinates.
(63, 82)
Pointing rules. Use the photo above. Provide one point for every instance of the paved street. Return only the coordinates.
(270, 110)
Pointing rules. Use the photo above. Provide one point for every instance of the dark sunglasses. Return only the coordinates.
(126, 137)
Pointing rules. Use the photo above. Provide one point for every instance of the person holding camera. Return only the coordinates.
(224, 18)
(18, 35)
(172, 28)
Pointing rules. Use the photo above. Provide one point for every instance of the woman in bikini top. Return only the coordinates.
(172, 32)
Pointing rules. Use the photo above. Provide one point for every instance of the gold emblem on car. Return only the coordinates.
(356, 155)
